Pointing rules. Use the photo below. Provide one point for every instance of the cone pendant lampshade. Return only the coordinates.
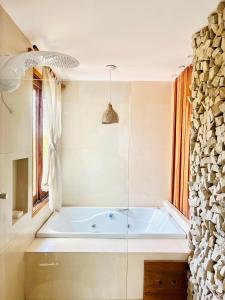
(110, 116)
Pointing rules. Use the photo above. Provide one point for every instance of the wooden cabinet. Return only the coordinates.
(165, 280)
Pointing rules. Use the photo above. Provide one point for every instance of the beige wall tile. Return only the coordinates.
(75, 276)
(150, 143)
(15, 143)
(94, 156)
(16, 129)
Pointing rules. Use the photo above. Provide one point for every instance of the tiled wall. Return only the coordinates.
(121, 164)
(15, 143)
(150, 143)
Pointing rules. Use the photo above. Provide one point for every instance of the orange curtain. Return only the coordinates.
(181, 136)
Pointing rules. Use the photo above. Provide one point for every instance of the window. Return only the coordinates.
(38, 140)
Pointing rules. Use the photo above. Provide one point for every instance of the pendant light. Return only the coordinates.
(110, 116)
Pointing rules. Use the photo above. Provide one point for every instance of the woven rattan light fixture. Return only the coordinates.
(110, 116)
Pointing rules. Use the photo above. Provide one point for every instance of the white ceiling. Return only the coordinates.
(146, 39)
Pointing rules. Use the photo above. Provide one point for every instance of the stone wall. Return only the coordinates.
(207, 175)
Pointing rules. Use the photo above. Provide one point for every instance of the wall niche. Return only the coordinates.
(20, 188)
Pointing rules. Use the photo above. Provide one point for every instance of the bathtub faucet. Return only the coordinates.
(122, 209)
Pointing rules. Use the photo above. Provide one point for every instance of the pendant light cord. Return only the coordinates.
(110, 79)
(111, 68)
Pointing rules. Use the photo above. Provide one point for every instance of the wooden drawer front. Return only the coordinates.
(165, 280)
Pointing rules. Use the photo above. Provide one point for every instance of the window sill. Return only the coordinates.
(39, 206)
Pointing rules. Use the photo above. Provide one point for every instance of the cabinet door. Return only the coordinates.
(165, 280)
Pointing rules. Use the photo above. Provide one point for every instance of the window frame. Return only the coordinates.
(40, 198)
(181, 142)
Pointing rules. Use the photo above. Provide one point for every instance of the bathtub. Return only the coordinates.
(92, 222)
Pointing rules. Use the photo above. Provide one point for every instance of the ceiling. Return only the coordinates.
(146, 39)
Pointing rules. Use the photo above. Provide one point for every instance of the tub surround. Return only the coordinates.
(207, 238)
(90, 262)
(93, 263)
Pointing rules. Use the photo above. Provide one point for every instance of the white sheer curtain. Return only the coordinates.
(51, 179)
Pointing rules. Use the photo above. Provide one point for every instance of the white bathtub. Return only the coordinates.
(90, 222)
